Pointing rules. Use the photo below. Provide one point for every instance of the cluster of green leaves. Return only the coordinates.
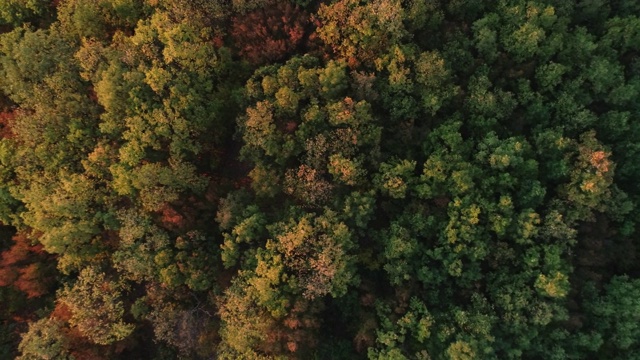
(385, 179)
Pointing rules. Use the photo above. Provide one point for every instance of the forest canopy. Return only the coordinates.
(338, 179)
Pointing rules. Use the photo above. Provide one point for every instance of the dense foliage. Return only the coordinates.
(344, 179)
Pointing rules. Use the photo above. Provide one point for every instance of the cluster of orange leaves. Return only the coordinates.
(269, 34)
(599, 160)
(6, 118)
(23, 267)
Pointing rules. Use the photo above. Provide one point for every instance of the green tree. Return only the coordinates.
(16, 12)
(45, 339)
(96, 306)
(613, 315)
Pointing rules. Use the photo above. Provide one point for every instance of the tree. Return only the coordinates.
(244, 325)
(26, 267)
(614, 317)
(149, 253)
(183, 321)
(331, 135)
(269, 33)
(98, 19)
(96, 306)
(401, 337)
(45, 339)
(358, 33)
(16, 12)
(591, 177)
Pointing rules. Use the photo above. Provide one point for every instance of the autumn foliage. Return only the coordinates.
(6, 119)
(24, 267)
(269, 34)
(334, 179)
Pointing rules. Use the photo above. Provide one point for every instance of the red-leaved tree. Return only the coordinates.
(26, 267)
(270, 33)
